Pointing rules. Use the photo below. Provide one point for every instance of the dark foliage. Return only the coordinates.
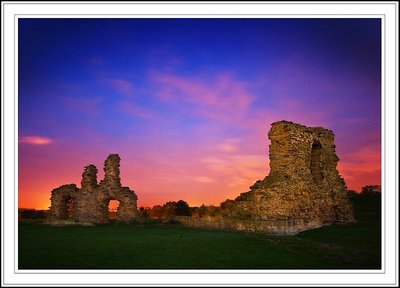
(182, 209)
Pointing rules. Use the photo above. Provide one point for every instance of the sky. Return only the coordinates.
(187, 103)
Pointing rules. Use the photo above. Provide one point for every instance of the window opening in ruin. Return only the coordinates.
(316, 163)
(113, 206)
(68, 205)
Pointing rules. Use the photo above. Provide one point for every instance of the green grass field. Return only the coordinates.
(172, 246)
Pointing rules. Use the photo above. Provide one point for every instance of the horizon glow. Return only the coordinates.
(187, 103)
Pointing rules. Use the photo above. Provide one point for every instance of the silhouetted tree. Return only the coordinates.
(352, 193)
(156, 212)
(169, 209)
(32, 213)
(371, 190)
(206, 211)
(202, 211)
(145, 212)
(163, 212)
(182, 209)
(368, 203)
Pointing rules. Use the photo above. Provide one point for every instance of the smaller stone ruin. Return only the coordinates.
(89, 204)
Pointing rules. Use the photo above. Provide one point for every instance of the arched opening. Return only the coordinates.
(316, 163)
(113, 206)
(65, 207)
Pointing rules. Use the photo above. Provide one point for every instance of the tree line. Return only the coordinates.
(179, 208)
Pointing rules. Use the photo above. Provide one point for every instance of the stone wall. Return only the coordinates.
(90, 203)
(279, 227)
(303, 182)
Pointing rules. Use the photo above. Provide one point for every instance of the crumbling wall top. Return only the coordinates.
(111, 170)
(294, 146)
(89, 177)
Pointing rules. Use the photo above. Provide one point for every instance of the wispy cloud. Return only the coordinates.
(204, 179)
(219, 96)
(364, 159)
(228, 146)
(123, 86)
(129, 104)
(35, 140)
(361, 166)
(237, 171)
(129, 107)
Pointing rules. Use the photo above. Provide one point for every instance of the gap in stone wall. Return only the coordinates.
(316, 163)
(113, 206)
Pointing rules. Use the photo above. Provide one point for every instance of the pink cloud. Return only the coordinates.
(228, 146)
(133, 109)
(204, 179)
(35, 140)
(237, 171)
(218, 99)
(122, 86)
(361, 167)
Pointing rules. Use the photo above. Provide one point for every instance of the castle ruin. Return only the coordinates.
(89, 204)
(303, 182)
(302, 191)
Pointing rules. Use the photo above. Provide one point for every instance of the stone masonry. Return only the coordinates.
(90, 203)
(303, 182)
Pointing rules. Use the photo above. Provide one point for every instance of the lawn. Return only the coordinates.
(172, 246)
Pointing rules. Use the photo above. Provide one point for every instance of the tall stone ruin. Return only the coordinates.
(303, 182)
(90, 203)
